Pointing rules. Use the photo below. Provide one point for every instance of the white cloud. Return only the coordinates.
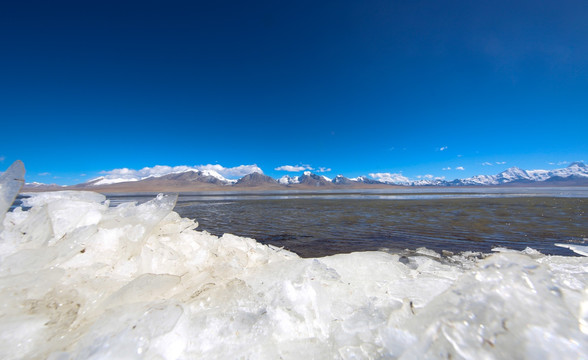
(558, 163)
(126, 174)
(431, 177)
(496, 162)
(459, 168)
(2, 158)
(443, 148)
(44, 174)
(296, 168)
(446, 168)
(323, 169)
(390, 178)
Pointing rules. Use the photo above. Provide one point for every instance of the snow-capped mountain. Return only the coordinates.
(102, 180)
(42, 186)
(311, 179)
(207, 176)
(307, 178)
(288, 180)
(429, 182)
(193, 180)
(392, 179)
(575, 171)
(365, 180)
(342, 180)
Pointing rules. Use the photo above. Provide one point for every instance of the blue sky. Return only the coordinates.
(356, 87)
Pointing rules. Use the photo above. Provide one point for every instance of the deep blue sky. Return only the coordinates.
(354, 86)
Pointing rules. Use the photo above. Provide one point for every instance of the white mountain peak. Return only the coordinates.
(576, 171)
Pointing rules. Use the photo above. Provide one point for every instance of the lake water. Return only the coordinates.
(322, 223)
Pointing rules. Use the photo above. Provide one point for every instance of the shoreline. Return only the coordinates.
(130, 188)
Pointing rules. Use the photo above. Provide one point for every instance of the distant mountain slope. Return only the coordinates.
(311, 179)
(342, 180)
(366, 180)
(193, 176)
(205, 176)
(256, 179)
(576, 174)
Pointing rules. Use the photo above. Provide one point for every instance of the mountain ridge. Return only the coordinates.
(576, 174)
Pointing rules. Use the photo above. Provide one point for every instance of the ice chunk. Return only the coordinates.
(578, 249)
(11, 181)
(43, 198)
(80, 279)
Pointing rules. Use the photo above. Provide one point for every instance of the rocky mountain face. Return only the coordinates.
(191, 177)
(306, 179)
(311, 179)
(342, 180)
(366, 180)
(256, 179)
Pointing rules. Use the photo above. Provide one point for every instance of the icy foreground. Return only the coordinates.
(79, 279)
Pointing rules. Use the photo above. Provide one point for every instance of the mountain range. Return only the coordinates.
(576, 174)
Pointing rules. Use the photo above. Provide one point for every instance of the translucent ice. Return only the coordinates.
(80, 279)
(10, 183)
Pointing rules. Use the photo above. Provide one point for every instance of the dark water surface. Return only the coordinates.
(318, 227)
(319, 224)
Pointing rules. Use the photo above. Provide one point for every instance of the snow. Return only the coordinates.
(214, 174)
(81, 279)
(538, 175)
(362, 178)
(288, 180)
(510, 175)
(35, 184)
(107, 181)
(514, 174)
(577, 169)
(126, 175)
(390, 178)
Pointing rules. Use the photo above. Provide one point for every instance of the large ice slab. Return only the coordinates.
(11, 181)
(80, 279)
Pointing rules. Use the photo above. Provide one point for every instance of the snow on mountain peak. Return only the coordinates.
(390, 178)
(576, 171)
(578, 164)
(288, 180)
(214, 174)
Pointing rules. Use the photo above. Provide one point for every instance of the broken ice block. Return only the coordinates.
(10, 183)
